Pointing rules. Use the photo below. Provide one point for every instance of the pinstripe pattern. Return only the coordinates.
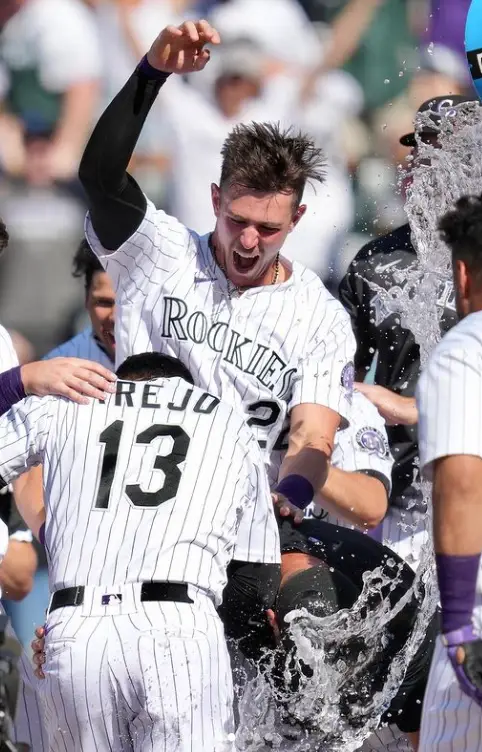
(8, 356)
(83, 345)
(451, 721)
(282, 344)
(449, 398)
(177, 538)
(156, 679)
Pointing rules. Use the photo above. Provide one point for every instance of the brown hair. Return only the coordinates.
(461, 230)
(265, 158)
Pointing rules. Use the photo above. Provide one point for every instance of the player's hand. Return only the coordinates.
(181, 49)
(287, 509)
(464, 649)
(394, 408)
(74, 378)
(38, 647)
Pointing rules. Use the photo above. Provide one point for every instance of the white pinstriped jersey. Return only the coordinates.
(449, 395)
(267, 350)
(8, 360)
(83, 345)
(132, 494)
(362, 447)
(8, 356)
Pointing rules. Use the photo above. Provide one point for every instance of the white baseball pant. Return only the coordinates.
(137, 676)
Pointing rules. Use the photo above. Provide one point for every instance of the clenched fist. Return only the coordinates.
(181, 49)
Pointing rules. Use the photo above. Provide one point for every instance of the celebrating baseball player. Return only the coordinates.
(253, 329)
(138, 547)
(449, 400)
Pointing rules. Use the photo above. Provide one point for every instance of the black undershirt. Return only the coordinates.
(116, 203)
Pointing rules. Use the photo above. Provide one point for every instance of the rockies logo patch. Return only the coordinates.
(372, 440)
(348, 376)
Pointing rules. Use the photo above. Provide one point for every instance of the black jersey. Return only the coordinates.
(378, 330)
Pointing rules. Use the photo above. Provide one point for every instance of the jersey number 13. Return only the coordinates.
(169, 464)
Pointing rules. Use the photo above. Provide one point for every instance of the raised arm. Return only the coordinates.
(116, 203)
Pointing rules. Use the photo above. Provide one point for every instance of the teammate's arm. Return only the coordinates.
(357, 497)
(320, 405)
(73, 378)
(116, 203)
(394, 408)
(449, 397)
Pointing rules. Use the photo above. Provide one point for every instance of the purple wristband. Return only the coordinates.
(150, 72)
(457, 579)
(41, 534)
(11, 389)
(297, 489)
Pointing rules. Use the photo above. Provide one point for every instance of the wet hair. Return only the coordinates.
(461, 230)
(264, 158)
(4, 236)
(86, 264)
(152, 365)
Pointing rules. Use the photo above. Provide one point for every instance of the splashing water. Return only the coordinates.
(439, 178)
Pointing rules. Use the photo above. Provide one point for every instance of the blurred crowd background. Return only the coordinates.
(350, 72)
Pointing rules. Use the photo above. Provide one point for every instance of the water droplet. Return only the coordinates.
(386, 81)
(401, 74)
(430, 48)
(384, 126)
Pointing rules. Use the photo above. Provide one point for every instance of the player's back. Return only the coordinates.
(149, 485)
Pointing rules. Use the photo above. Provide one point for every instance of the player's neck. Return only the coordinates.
(279, 271)
(295, 562)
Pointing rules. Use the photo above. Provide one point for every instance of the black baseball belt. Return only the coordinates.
(176, 592)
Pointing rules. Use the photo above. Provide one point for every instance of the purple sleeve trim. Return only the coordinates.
(11, 389)
(457, 579)
(297, 489)
(150, 72)
(41, 534)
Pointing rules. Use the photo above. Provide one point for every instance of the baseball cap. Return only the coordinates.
(243, 61)
(319, 589)
(438, 108)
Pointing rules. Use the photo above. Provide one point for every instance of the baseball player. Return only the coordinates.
(378, 267)
(141, 523)
(449, 398)
(254, 330)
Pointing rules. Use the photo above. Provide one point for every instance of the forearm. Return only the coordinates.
(11, 389)
(116, 203)
(17, 570)
(309, 460)
(28, 493)
(358, 498)
(347, 31)
(457, 528)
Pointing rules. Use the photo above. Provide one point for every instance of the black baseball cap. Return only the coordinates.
(437, 107)
(319, 589)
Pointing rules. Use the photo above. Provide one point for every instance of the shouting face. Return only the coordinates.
(250, 231)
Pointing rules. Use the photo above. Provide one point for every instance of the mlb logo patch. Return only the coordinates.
(110, 599)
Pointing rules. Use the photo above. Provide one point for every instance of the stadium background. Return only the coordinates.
(408, 52)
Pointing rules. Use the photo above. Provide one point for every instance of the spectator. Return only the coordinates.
(50, 55)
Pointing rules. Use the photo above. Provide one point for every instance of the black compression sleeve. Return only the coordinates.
(116, 203)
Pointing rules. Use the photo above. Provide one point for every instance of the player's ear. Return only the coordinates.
(216, 198)
(297, 216)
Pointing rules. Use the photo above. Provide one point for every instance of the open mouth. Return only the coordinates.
(245, 263)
